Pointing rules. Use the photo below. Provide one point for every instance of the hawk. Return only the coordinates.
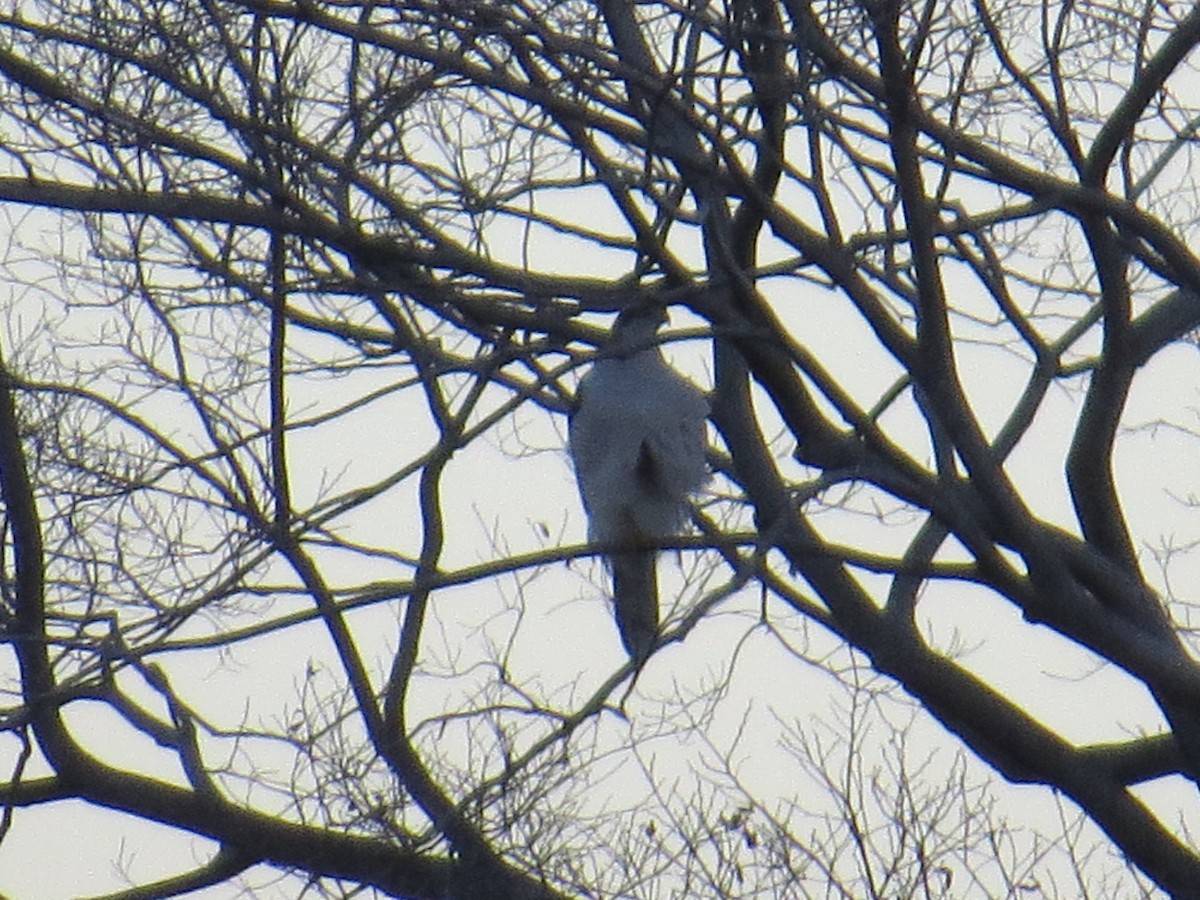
(637, 440)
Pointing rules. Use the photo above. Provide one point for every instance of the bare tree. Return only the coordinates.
(298, 294)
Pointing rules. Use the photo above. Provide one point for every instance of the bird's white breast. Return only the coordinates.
(628, 404)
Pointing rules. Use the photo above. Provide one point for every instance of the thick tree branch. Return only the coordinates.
(1119, 126)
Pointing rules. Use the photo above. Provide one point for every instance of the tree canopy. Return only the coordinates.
(293, 576)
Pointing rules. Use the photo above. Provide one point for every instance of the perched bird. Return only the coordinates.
(637, 440)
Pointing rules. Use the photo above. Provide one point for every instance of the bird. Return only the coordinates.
(636, 437)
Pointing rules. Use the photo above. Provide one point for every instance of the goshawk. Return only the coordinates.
(637, 441)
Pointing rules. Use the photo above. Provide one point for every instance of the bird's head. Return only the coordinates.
(638, 323)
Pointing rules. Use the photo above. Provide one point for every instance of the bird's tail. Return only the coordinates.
(635, 594)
